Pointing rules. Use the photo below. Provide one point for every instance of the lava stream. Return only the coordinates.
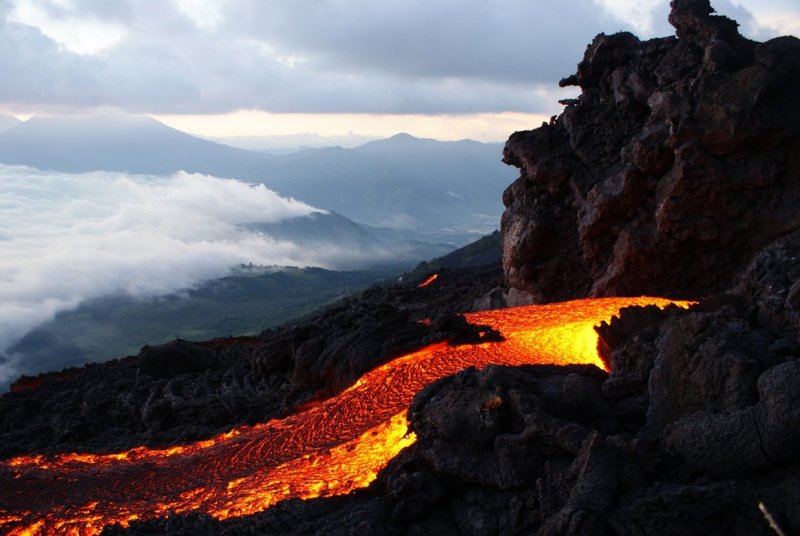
(332, 448)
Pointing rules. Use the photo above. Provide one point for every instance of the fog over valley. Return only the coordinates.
(67, 238)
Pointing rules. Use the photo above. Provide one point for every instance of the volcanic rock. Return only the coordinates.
(694, 427)
(678, 161)
(183, 391)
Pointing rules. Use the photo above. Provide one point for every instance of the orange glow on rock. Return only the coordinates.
(331, 448)
(428, 281)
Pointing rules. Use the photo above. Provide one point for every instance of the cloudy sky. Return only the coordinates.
(442, 68)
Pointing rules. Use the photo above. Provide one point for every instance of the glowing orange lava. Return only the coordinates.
(332, 448)
(428, 281)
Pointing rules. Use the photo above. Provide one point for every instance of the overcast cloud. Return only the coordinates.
(67, 238)
(408, 56)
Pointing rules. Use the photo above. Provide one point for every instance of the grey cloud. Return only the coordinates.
(146, 76)
(499, 40)
(33, 64)
(119, 10)
(444, 56)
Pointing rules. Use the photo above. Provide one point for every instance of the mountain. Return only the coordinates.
(401, 182)
(483, 252)
(133, 144)
(245, 303)
(7, 122)
(428, 186)
(362, 246)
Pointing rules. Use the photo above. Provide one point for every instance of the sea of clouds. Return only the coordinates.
(67, 238)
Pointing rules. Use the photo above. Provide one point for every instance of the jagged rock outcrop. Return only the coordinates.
(678, 161)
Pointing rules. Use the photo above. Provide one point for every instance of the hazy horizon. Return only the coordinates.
(269, 143)
(249, 69)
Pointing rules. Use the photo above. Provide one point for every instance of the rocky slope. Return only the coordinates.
(675, 172)
(693, 429)
(183, 391)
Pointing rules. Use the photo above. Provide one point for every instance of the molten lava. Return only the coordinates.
(428, 281)
(331, 448)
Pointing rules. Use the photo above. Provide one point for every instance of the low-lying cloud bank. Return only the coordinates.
(67, 238)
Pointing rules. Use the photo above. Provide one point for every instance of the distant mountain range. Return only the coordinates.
(437, 188)
(132, 144)
(485, 251)
(361, 246)
(401, 182)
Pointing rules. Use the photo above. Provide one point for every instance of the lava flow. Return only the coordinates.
(429, 281)
(332, 448)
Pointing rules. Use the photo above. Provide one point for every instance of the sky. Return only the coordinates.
(336, 69)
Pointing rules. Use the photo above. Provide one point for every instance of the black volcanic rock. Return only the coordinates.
(679, 160)
(694, 427)
(769, 286)
(183, 391)
(175, 358)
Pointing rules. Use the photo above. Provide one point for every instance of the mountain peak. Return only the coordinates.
(403, 136)
(117, 142)
(96, 122)
(402, 139)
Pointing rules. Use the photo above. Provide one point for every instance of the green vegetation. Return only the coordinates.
(252, 300)
(485, 250)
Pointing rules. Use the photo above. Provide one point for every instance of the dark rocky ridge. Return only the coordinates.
(697, 422)
(183, 391)
(679, 160)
